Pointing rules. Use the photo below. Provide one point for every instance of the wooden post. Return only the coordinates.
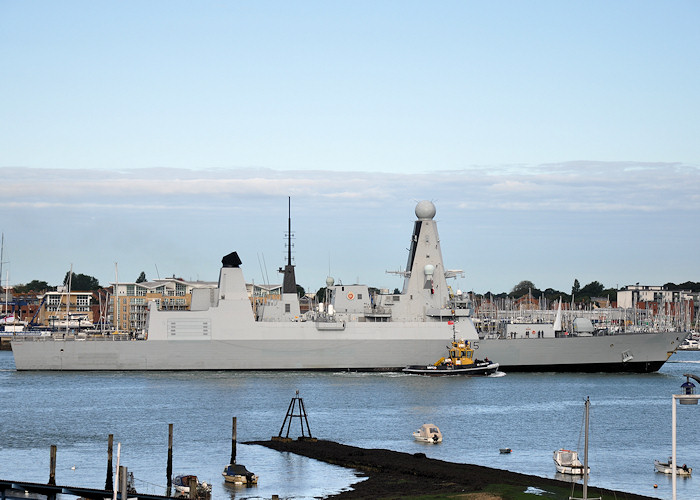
(108, 483)
(122, 482)
(52, 466)
(233, 442)
(193, 487)
(169, 470)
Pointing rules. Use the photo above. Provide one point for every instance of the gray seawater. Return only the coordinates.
(534, 414)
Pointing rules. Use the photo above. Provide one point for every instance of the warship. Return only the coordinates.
(356, 328)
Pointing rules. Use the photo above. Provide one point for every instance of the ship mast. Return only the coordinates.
(289, 230)
(289, 285)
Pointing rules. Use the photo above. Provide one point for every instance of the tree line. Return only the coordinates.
(579, 293)
(78, 282)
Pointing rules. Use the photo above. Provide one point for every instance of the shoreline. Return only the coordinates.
(393, 474)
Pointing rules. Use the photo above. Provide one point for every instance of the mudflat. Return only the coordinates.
(392, 474)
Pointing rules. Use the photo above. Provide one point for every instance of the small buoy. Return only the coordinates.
(656, 486)
(72, 468)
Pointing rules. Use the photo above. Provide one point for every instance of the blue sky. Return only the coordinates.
(557, 139)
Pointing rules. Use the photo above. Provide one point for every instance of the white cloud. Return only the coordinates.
(574, 186)
(613, 219)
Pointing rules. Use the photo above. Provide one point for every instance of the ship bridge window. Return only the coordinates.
(470, 354)
(287, 308)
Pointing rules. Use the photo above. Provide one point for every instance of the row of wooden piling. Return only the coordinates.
(122, 471)
(109, 486)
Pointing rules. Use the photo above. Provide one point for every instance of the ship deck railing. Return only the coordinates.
(70, 337)
(377, 312)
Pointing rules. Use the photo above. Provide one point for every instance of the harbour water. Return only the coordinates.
(534, 414)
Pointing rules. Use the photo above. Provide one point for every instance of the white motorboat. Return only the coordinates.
(428, 433)
(689, 345)
(567, 462)
(238, 474)
(667, 468)
(182, 486)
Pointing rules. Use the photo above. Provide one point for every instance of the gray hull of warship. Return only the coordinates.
(354, 331)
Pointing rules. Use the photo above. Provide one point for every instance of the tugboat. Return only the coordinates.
(460, 360)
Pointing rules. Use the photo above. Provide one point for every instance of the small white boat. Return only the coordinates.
(428, 433)
(238, 474)
(567, 462)
(667, 468)
(182, 486)
(689, 345)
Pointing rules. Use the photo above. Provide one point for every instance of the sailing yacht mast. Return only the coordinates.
(70, 280)
(2, 254)
(585, 457)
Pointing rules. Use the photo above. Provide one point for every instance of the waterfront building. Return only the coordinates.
(61, 309)
(660, 301)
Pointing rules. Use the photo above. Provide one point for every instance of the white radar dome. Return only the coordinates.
(329, 281)
(425, 210)
(429, 269)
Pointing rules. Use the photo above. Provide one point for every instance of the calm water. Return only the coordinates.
(533, 414)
